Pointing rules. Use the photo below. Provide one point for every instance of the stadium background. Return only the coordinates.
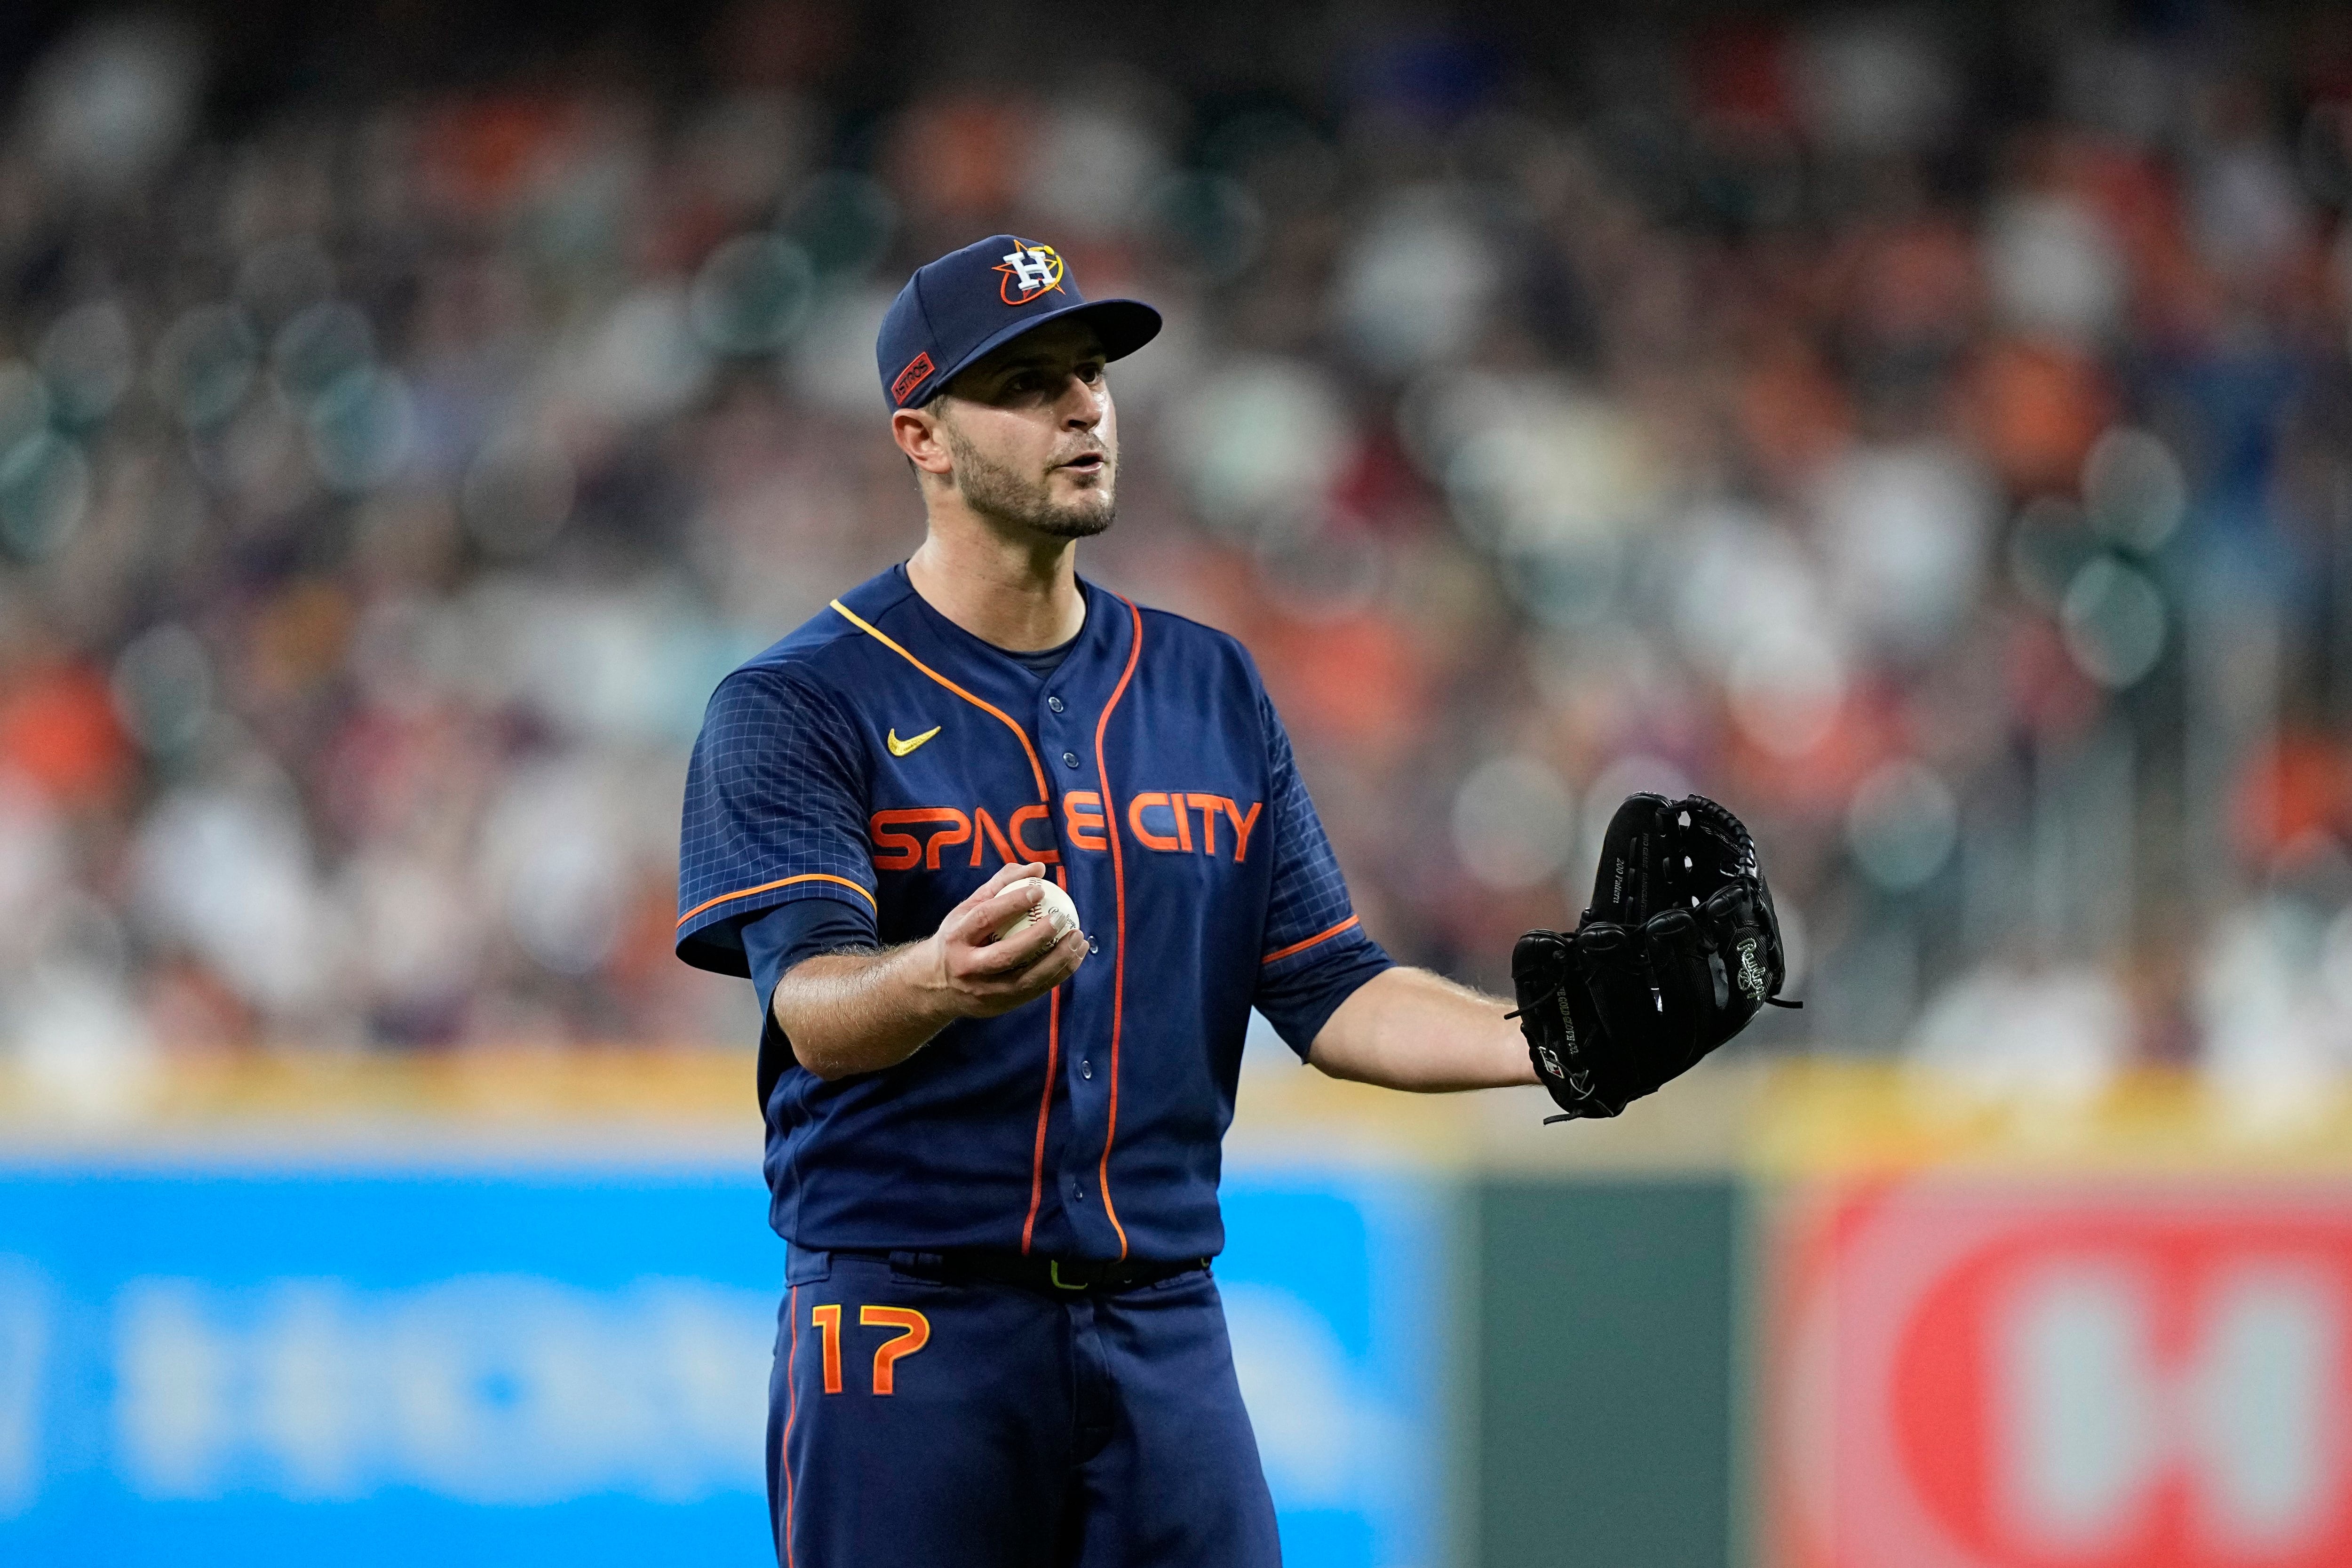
(1929, 430)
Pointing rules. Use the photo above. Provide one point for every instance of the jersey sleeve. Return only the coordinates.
(1315, 955)
(775, 812)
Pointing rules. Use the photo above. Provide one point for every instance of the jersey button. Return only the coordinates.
(1055, 703)
(1069, 759)
(1085, 1069)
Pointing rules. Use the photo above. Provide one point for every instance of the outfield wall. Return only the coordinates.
(517, 1308)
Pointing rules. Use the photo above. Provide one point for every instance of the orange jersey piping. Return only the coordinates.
(1044, 1111)
(1035, 767)
(1280, 953)
(770, 887)
(792, 1410)
(1119, 904)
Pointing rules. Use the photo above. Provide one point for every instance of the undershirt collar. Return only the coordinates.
(1044, 661)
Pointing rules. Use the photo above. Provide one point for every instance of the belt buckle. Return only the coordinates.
(1054, 1272)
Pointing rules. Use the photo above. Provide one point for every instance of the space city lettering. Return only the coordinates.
(1167, 822)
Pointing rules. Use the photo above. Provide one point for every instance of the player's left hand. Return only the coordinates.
(1679, 950)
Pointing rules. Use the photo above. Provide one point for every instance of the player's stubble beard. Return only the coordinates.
(1004, 496)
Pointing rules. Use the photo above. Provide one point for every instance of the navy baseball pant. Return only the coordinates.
(915, 1424)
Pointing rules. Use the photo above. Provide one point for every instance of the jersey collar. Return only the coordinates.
(1103, 636)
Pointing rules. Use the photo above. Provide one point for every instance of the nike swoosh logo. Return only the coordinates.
(899, 748)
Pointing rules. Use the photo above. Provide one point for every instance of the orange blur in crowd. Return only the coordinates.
(1952, 481)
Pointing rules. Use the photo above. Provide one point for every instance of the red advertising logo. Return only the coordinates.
(1991, 1376)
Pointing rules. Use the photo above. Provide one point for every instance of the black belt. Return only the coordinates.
(1057, 1275)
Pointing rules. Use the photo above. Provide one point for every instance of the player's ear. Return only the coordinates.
(918, 433)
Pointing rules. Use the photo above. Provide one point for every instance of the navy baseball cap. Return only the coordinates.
(972, 300)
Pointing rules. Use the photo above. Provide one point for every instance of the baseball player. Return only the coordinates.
(995, 1156)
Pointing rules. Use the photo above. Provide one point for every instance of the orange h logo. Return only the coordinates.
(1028, 271)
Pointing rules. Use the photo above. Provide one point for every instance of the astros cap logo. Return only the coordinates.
(1033, 270)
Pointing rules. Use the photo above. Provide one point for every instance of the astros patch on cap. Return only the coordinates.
(973, 301)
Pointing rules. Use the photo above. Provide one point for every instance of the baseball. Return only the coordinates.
(1054, 906)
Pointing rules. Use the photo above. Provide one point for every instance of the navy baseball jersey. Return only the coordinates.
(883, 758)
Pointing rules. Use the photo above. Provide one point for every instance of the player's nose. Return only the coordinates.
(1082, 404)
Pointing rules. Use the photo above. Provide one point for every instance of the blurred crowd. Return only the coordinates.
(1929, 434)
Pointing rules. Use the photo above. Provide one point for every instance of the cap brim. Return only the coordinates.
(1123, 325)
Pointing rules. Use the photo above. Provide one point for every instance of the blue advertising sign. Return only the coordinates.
(213, 1366)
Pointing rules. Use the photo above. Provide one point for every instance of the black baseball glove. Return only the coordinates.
(1679, 950)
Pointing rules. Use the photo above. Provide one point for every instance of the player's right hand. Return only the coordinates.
(983, 976)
